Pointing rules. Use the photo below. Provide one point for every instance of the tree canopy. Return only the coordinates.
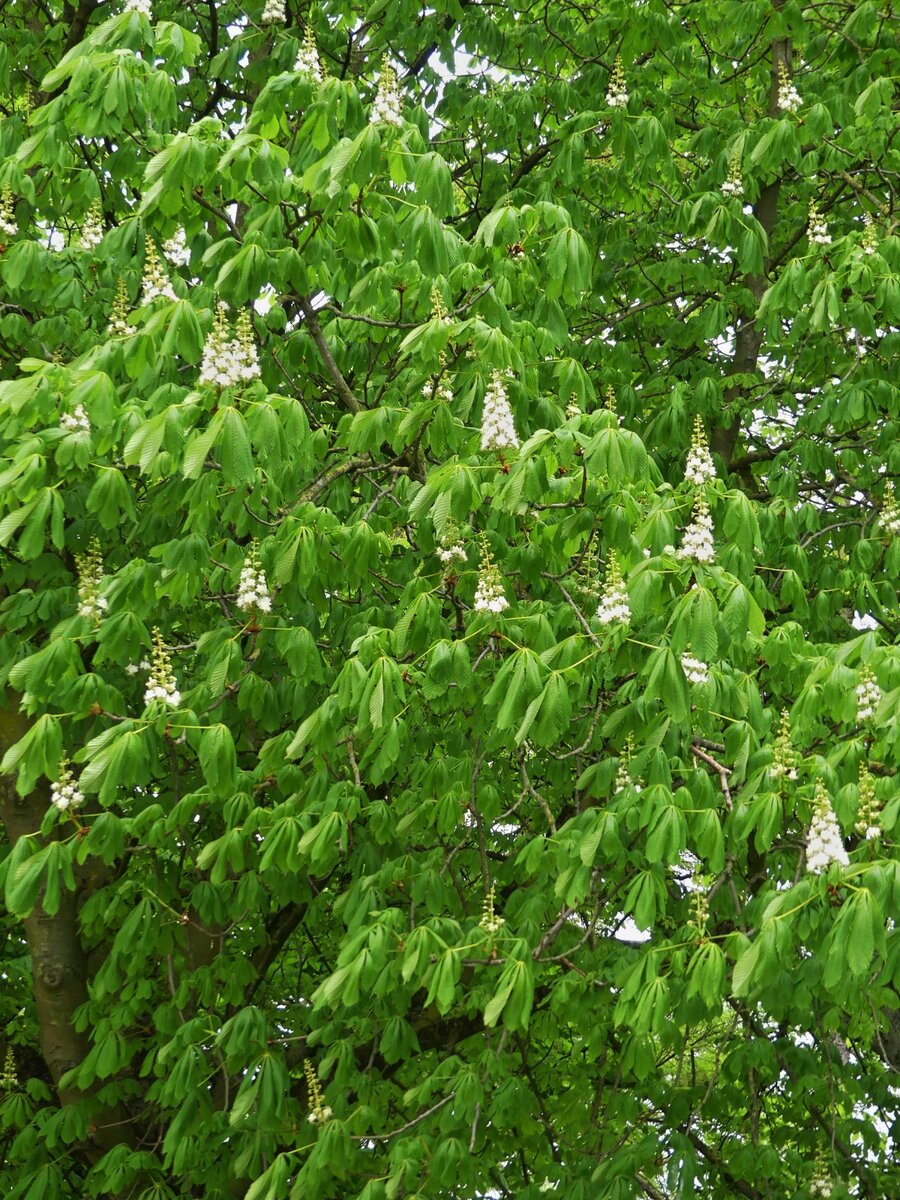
(449, 603)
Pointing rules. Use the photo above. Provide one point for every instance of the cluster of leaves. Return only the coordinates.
(284, 876)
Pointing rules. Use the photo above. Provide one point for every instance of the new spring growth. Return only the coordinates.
(490, 922)
(9, 1081)
(788, 98)
(699, 468)
(616, 90)
(90, 579)
(868, 696)
(699, 907)
(161, 684)
(623, 779)
(319, 1111)
(452, 548)
(610, 399)
(308, 57)
(118, 326)
(253, 589)
(587, 574)
(387, 105)
(155, 284)
(614, 608)
(8, 223)
(816, 229)
(824, 844)
(868, 814)
(889, 519)
(65, 794)
(870, 236)
(734, 184)
(489, 594)
(697, 542)
(92, 229)
(784, 761)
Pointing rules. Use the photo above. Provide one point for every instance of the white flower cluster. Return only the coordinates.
(816, 229)
(623, 779)
(784, 762)
(387, 107)
(90, 579)
(695, 669)
(868, 696)
(253, 589)
(490, 922)
(144, 7)
(155, 284)
(824, 844)
(64, 792)
(274, 13)
(867, 818)
(133, 668)
(161, 685)
(319, 1111)
(118, 326)
(176, 249)
(92, 229)
(76, 421)
(734, 184)
(440, 390)
(820, 1186)
(229, 359)
(870, 236)
(788, 98)
(616, 90)
(498, 429)
(614, 607)
(889, 520)
(452, 549)
(489, 594)
(7, 213)
(698, 537)
(308, 57)
(699, 468)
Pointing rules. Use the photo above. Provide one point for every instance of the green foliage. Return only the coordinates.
(438, 825)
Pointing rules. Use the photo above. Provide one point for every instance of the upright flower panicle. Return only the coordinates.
(616, 90)
(623, 780)
(489, 594)
(614, 608)
(308, 62)
(253, 589)
(490, 922)
(9, 1080)
(90, 580)
(452, 549)
(870, 236)
(868, 823)
(824, 844)
(784, 762)
(155, 284)
(868, 696)
(176, 249)
(144, 7)
(76, 421)
(734, 184)
(699, 906)
(816, 229)
(889, 518)
(64, 792)
(699, 468)
(387, 107)
(697, 543)
(319, 1111)
(696, 670)
(92, 229)
(118, 326)
(161, 685)
(274, 13)
(498, 429)
(788, 98)
(8, 223)
(821, 1186)
(229, 359)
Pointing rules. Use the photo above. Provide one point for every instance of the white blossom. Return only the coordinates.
(253, 589)
(144, 7)
(8, 223)
(734, 184)
(889, 519)
(76, 421)
(788, 98)
(868, 696)
(274, 13)
(616, 90)
(824, 844)
(697, 542)
(229, 359)
(92, 229)
(387, 107)
(155, 284)
(489, 594)
(118, 326)
(784, 762)
(176, 249)
(699, 468)
(614, 607)
(695, 669)
(498, 429)
(490, 922)
(816, 229)
(90, 580)
(320, 1115)
(161, 685)
(64, 792)
(868, 814)
(308, 62)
